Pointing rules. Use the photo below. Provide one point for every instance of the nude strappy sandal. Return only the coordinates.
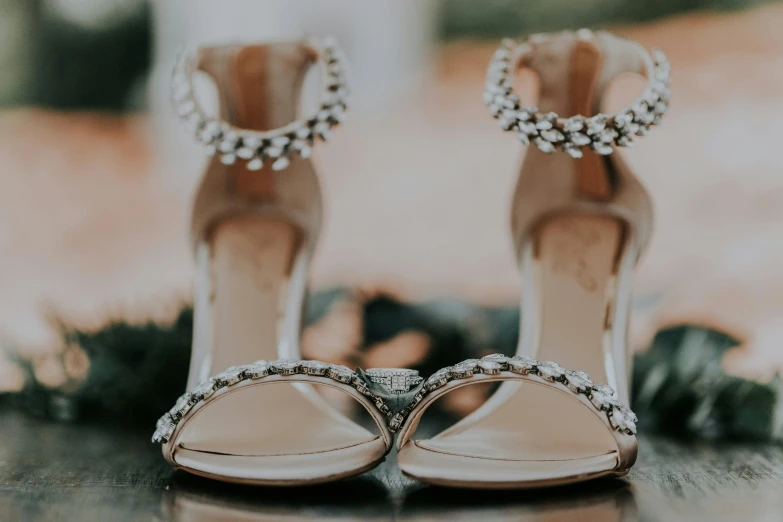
(256, 219)
(580, 220)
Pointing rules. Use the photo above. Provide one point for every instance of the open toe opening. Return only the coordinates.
(531, 433)
(276, 433)
(534, 423)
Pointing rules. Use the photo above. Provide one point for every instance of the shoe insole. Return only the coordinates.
(250, 271)
(575, 257)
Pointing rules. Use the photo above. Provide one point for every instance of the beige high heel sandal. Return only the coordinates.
(256, 219)
(580, 220)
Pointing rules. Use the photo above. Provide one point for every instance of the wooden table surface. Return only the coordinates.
(63, 472)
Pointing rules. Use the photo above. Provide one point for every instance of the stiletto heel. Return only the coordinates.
(580, 220)
(256, 219)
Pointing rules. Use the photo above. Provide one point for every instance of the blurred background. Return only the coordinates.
(96, 176)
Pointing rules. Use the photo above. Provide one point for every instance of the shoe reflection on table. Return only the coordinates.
(603, 500)
(190, 498)
(368, 498)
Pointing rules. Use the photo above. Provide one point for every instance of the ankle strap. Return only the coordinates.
(550, 131)
(258, 147)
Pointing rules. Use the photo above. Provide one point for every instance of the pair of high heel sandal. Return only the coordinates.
(580, 220)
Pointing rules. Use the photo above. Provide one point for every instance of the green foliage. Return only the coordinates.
(680, 387)
(500, 18)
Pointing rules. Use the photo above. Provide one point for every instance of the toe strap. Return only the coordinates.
(265, 372)
(601, 399)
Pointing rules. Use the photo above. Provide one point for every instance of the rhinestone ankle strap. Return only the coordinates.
(255, 147)
(550, 131)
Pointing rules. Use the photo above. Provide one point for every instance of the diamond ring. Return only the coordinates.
(395, 380)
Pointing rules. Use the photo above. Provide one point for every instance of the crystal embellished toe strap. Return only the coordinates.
(550, 131)
(263, 371)
(600, 397)
(258, 148)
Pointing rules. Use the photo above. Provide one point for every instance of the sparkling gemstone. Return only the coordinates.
(415, 401)
(623, 118)
(182, 406)
(231, 375)
(624, 141)
(660, 108)
(255, 164)
(246, 153)
(574, 124)
(303, 133)
(273, 152)
(303, 147)
(607, 135)
(524, 115)
(547, 121)
(382, 406)
(622, 419)
(163, 430)
(228, 159)
(601, 400)
(643, 130)
(490, 367)
(601, 148)
(628, 413)
(639, 108)
(323, 129)
(522, 364)
(524, 138)
(552, 135)
(488, 97)
(206, 135)
(505, 123)
(285, 366)
(438, 379)
(512, 101)
(496, 357)
(340, 373)
(210, 150)
(647, 118)
(227, 145)
(544, 145)
(361, 387)
(461, 372)
(257, 370)
(281, 141)
(315, 367)
(281, 163)
(579, 381)
(596, 124)
(251, 142)
(502, 55)
(203, 390)
(605, 389)
(550, 370)
(527, 127)
(338, 112)
(396, 422)
(467, 367)
(572, 150)
(579, 139)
